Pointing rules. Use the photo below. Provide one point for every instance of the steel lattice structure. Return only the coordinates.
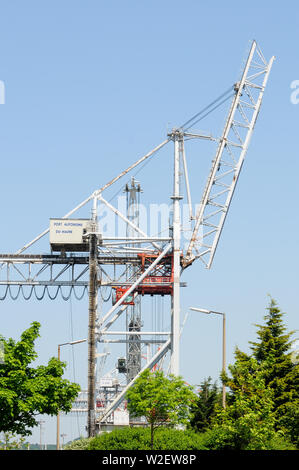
(149, 265)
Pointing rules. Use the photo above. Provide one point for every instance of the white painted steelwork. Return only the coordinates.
(47, 272)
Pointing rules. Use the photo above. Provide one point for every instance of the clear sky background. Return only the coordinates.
(90, 87)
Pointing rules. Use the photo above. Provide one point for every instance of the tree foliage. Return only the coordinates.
(203, 408)
(139, 439)
(288, 421)
(161, 400)
(11, 442)
(274, 345)
(247, 422)
(271, 362)
(27, 391)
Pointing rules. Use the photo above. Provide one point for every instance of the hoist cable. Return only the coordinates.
(55, 295)
(82, 295)
(205, 109)
(43, 294)
(210, 111)
(33, 289)
(30, 294)
(4, 296)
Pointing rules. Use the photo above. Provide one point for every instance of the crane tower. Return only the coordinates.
(134, 322)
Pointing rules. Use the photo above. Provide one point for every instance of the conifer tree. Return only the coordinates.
(204, 407)
(274, 359)
(274, 345)
(247, 422)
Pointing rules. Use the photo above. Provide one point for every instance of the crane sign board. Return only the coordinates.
(68, 234)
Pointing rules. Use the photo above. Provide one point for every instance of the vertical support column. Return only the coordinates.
(92, 314)
(133, 350)
(175, 327)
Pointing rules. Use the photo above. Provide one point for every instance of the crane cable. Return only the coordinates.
(45, 290)
(207, 109)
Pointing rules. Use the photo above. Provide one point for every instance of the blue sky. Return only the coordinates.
(92, 86)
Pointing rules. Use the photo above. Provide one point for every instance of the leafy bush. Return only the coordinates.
(140, 439)
(79, 444)
(169, 439)
(122, 439)
(218, 439)
(172, 439)
(280, 443)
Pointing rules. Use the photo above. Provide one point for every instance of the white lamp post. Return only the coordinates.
(58, 417)
(207, 312)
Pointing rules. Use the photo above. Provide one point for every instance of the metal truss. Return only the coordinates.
(118, 399)
(43, 276)
(228, 161)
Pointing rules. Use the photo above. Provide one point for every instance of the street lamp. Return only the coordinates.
(208, 312)
(63, 436)
(58, 417)
(41, 433)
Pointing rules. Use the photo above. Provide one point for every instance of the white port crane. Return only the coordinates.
(158, 262)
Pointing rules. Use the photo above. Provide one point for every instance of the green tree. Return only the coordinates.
(203, 409)
(247, 422)
(27, 391)
(274, 346)
(11, 442)
(161, 400)
(280, 373)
